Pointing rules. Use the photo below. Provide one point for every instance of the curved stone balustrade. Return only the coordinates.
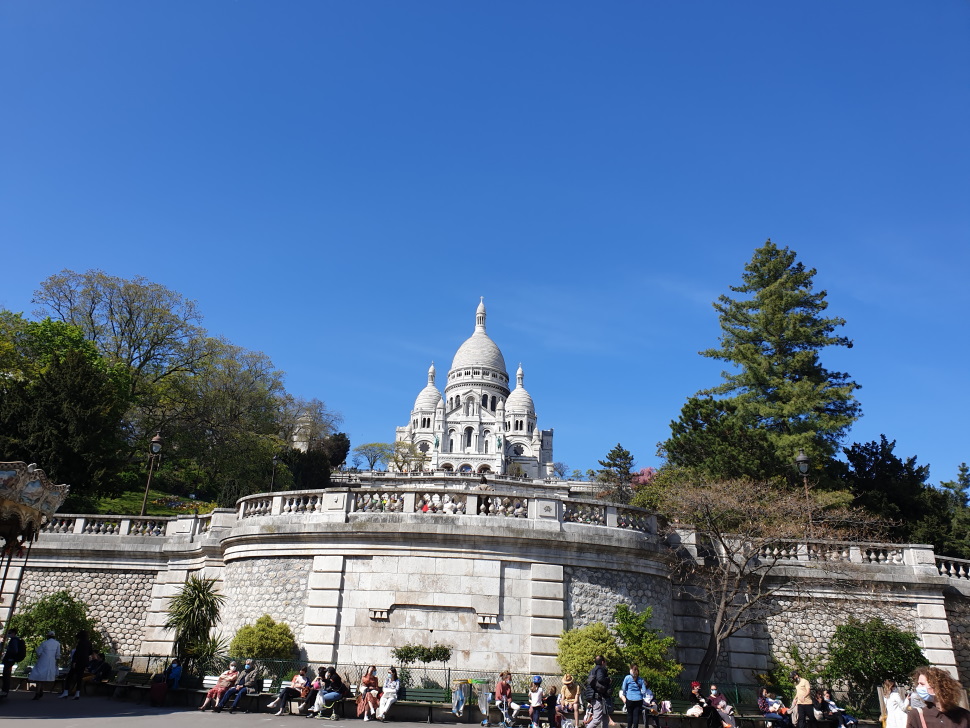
(378, 503)
(953, 568)
(503, 506)
(446, 503)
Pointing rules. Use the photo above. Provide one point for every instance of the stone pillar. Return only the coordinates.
(546, 612)
(322, 615)
(157, 640)
(934, 633)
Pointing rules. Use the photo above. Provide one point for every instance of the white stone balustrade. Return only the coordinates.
(953, 568)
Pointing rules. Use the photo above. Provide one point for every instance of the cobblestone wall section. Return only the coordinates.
(273, 586)
(812, 629)
(119, 600)
(958, 615)
(592, 595)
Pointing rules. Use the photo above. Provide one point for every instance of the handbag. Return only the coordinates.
(304, 691)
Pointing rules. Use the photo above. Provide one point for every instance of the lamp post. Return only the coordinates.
(802, 463)
(154, 453)
(272, 482)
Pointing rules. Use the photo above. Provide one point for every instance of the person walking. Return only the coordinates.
(942, 696)
(45, 668)
(597, 694)
(632, 693)
(803, 703)
(16, 651)
(79, 660)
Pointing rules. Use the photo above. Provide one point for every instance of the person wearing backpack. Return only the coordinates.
(15, 653)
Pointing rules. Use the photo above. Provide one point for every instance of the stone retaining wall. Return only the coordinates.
(117, 599)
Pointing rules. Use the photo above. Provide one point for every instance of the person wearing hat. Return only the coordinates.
(536, 700)
(45, 668)
(569, 700)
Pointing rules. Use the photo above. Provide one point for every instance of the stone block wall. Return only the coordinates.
(811, 629)
(117, 599)
(271, 585)
(958, 615)
(477, 607)
(592, 595)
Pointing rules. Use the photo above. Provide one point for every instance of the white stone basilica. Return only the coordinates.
(479, 425)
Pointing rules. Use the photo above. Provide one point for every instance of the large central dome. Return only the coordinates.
(479, 350)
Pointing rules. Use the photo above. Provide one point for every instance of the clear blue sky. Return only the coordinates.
(336, 184)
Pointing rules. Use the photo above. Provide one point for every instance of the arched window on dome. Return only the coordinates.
(485, 437)
(493, 403)
(485, 401)
(468, 437)
(451, 441)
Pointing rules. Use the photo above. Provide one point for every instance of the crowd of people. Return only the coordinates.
(84, 664)
(936, 700)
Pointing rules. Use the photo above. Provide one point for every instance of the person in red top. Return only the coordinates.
(503, 692)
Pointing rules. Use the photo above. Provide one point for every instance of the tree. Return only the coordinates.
(192, 614)
(646, 647)
(959, 488)
(336, 446)
(405, 456)
(62, 405)
(617, 474)
(864, 654)
(896, 490)
(60, 612)
(374, 452)
(266, 639)
(738, 542)
(712, 439)
(154, 331)
(560, 469)
(772, 339)
(579, 647)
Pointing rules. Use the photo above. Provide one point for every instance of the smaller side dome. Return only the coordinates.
(520, 401)
(429, 397)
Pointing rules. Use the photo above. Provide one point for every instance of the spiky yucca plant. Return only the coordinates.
(192, 613)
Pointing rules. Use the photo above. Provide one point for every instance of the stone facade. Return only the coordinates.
(811, 629)
(273, 586)
(355, 575)
(958, 616)
(117, 599)
(592, 595)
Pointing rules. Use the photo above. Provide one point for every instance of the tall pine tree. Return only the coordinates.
(773, 334)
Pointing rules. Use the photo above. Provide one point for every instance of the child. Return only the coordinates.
(536, 700)
(551, 700)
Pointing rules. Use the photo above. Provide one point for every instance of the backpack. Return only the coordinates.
(19, 649)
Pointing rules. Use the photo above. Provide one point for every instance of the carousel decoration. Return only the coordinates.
(27, 501)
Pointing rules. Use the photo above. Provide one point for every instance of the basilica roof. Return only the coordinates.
(428, 397)
(479, 350)
(520, 400)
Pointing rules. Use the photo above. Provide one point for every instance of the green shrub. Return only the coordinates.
(647, 648)
(579, 647)
(265, 640)
(863, 654)
(62, 613)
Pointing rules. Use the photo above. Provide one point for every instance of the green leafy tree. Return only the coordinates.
(336, 446)
(62, 405)
(648, 648)
(864, 654)
(772, 338)
(579, 647)
(192, 614)
(266, 639)
(711, 438)
(959, 489)
(617, 474)
(779, 678)
(374, 452)
(61, 612)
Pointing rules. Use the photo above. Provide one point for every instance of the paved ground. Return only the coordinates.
(100, 712)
